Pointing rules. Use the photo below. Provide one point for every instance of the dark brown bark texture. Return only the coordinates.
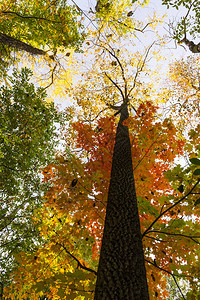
(194, 48)
(19, 45)
(121, 273)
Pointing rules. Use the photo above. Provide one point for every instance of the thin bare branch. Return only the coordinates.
(139, 162)
(91, 21)
(120, 65)
(90, 121)
(52, 77)
(134, 28)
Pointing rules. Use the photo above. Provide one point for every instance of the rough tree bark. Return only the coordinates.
(19, 45)
(194, 48)
(121, 273)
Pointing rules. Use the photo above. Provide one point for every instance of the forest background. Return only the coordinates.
(55, 162)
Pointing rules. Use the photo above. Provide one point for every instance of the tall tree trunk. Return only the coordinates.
(121, 273)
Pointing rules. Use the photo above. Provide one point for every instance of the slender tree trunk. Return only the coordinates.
(121, 273)
(19, 45)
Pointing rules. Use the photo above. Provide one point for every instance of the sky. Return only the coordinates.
(171, 50)
(153, 6)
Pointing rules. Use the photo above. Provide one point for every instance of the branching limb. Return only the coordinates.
(134, 28)
(116, 85)
(90, 121)
(52, 77)
(187, 14)
(168, 209)
(112, 53)
(80, 265)
(194, 48)
(139, 162)
(168, 272)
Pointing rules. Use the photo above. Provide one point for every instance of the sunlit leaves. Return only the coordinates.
(70, 221)
(27, 141)
(45, 24)
(184, 103)
(42, 28)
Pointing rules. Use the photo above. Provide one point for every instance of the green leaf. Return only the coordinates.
(197, 202)
(197, 172)
(195, 161)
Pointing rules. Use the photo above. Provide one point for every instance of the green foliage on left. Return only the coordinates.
(27, 142)
(38, 28)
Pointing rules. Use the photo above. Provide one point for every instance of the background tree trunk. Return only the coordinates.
(19, 45)
(121, 273)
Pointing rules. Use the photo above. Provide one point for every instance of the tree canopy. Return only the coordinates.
(54, 198)
(187, 28)
(28, 140)
(41, 28)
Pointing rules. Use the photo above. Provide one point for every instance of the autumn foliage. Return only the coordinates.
(75, 203)
(62, 262)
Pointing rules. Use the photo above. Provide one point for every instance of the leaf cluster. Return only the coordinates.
(27, 143)
(189, 23)
(38, 25)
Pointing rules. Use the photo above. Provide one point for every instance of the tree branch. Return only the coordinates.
(134, 28)
(139, 70)
(139, 162)
(76, 259)
(115, 84)
(52, 77)
(178, 234)
(28, 17)
(168, 272)
(19, 45)
(121, 67)
(168, 209)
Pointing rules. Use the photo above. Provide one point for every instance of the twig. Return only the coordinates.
(177, 234)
